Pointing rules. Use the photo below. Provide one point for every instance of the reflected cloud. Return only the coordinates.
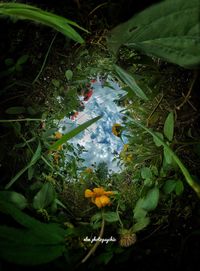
(99, 142)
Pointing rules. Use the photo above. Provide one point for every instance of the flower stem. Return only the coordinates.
(93, 249)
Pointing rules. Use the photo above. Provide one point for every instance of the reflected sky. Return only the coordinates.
(101, 145)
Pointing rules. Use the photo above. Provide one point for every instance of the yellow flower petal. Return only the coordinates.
(117, 129)
(88, 170)
(108, 193)
(99, 191)
(58, 135)
(102, 201)
(89, 193)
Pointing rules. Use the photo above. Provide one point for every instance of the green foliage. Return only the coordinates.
(69, 75)
(169, 126)
(34, 159)
(173, 186)
(130, 81)
(38, 243)
(44, 197)
(28, 12)
(170, 154)
(168, 30)
(13, 197)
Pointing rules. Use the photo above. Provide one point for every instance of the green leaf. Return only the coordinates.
(169, 126)
(141, 224)
(28, 12)
(56, 83)
(34, 159)
(44, 197)
(130, 81)
(30, 173)
(96, 217)
(146, 173)
(169, 186)
(150, 201)
(176, 159)
(48, 233)
(69, 75)
(23, 247)
(9, 62)
(13, 197)
(22, 60)
(16, 110)
(168, 156)
(157, 138)
(168, 30)
(111, 217)
(139, 212)
(179, 187)
(73, 133)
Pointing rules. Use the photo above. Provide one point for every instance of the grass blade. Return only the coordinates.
(34, 159)
(27, 12)
(73, 133)
(130, 81)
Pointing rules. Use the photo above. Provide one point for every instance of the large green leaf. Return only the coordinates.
(28, 12)
(50, 233)
(44, 197)
(73, 133)
(150, 201)
(130, 81)
(13, 197)
(24, 247)
(169, 30)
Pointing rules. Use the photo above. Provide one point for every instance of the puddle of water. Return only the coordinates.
(98, 140)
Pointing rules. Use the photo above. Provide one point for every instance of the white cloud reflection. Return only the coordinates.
(98, 139)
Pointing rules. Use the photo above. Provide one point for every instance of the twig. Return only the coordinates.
(45, 60)
(21, 120)
(99, 6)
(187, 97)
(154, 109)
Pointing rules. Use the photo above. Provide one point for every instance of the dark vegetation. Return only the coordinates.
(34, 60)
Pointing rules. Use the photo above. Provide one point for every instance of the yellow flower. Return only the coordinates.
(58, 135)
(99, 196)
(88, 170)
(117, 129)
(125, 154)
(56, 157)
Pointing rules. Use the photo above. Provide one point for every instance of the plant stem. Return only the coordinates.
(93, 249)
(45, 60)
(21, 120)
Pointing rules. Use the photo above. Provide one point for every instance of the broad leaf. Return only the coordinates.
(44, 197)
(141, 224)
(111, 216)
(150, 201)
(168, 30)
(13, 197)
(169, 186)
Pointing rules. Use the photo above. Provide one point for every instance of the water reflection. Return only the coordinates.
(98, 140)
